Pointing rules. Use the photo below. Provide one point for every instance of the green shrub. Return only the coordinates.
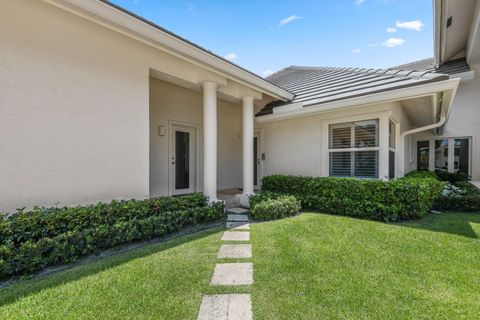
(451, 177)
(460, 196)
(399, 199)
(262, 196)
(274, 208)
(457, 203)
(32, 240)
(457, 194)
(421, 174)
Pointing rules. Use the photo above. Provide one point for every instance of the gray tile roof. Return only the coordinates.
(317, 85)
(450, 68)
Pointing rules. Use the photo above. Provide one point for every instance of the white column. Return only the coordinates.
(210, 140)
(383, 143)
(248, 145)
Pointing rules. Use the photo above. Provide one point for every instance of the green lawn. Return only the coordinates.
(317, 266)
(312, 266)
(160, 281)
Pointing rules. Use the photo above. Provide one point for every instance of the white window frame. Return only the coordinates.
(383, 145)
(451, 147)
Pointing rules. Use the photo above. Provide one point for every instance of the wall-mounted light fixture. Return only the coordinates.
(162, 131)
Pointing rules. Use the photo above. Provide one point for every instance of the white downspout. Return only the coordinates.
(437, 124)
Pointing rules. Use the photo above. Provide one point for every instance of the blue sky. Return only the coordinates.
(265, 36)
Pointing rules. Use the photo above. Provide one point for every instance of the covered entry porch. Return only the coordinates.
(202, 137)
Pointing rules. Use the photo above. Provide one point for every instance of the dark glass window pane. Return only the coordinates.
(366, 136)
(391, 135)
(366, 164)
(461, 157)
(441, 154)
(423, 155)
(340, 164)
(391, 164)
(182, 160)
(341, 138)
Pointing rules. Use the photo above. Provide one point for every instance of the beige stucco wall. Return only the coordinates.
(170, 103)
(464, 120)
(74, 109)
(294, 146)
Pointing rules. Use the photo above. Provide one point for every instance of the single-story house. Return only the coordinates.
(97, 103)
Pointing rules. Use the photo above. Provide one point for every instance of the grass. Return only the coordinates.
(160, 281)
(312, 266)
(317, 266)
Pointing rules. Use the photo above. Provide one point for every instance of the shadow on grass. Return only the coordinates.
(86, 267)
(461, 224)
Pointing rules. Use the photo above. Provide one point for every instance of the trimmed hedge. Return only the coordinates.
(394, 200)
(32, 240)
(457, 194)
(451, 177)
(268, 206)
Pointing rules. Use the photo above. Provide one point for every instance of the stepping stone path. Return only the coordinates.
(235, 251)
(236, 236)
(231, 306)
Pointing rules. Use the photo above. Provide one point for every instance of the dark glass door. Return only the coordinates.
(423, 155)
(182, 160)
(461, 157)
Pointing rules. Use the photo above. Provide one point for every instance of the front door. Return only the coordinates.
(182, 160)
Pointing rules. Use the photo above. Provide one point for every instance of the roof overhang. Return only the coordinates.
(445, 89)
(131, 25)
(461, 38)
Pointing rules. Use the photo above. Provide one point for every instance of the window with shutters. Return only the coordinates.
(353, 149)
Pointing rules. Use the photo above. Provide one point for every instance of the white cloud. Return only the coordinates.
(416, 25)
(359, 2)
(231, 56)
(287, 20)
(190, 7)
(394, 42)
(267, 73)
(356, 50)
(371, 45)
(391, 29)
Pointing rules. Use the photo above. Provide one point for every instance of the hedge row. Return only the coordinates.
(394, 200)
(457, 195)
(32, 240)
(267, 206)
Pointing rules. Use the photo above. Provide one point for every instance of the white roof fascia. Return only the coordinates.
(464, 76)
(389, 96)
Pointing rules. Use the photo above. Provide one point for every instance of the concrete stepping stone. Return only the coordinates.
(233, 274)
(237, 225)
(226, 307)
(237, 217)
(237, 210)
(235, 251)
(236, 236)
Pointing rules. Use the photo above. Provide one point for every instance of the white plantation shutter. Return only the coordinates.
(361, 158)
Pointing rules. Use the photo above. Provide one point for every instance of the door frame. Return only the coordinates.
(193, 130)
(431, 139)
(260, 163)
